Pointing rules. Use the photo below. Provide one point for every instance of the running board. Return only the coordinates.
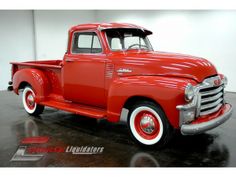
(83, 110)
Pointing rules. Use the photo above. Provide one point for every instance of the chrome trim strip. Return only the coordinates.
(196, 103)
(203, 113)
(210, 81)
(198, 110)
(210, 105)
(192, 104)
(211, 92)
(192, 129)
(124, 115)
(204, 100)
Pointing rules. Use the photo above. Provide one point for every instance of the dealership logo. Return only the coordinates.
(21, 155)
(31, 149)
(84, 149)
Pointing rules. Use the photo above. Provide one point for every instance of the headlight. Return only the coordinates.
(225, 80)
(189, 92)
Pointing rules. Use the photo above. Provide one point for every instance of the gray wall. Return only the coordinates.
(210, 34)
(52, 30)
(16, 41)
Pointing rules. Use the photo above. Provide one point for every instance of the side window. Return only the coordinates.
(96, 47)
(86, 42)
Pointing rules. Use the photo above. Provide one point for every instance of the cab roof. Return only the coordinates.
(104, 26)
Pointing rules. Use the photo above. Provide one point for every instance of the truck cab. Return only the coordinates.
(110, 71)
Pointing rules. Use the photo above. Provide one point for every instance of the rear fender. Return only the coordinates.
(36, 78)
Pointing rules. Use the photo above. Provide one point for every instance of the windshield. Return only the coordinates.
(127, 39)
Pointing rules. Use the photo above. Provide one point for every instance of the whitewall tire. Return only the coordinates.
(148, 124)
(28, 100)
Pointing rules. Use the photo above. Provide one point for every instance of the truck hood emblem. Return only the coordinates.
(217, 82)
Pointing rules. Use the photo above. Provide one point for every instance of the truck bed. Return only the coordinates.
(46, 63)
(51, 68)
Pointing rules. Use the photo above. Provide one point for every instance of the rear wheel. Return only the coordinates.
(28, 99)
(148, 125)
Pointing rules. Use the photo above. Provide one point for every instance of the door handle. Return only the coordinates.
(69, 60)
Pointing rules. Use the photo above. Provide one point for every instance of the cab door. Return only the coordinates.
(83, 70)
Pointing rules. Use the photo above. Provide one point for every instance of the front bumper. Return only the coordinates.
(204, 124)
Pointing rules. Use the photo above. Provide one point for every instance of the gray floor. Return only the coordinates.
(215, 148)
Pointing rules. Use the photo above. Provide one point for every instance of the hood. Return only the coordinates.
(163, 63)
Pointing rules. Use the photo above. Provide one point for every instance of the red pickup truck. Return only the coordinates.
(110, 71)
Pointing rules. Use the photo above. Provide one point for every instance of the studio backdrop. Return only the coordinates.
(42, 34)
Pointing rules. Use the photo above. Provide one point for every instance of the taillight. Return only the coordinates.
(14, 68)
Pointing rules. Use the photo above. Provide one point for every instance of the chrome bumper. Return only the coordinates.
(191, 129)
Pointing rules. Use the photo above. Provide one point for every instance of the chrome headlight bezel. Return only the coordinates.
(189, 92)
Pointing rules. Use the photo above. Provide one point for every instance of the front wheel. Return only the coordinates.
(149, 125)
(28, 99)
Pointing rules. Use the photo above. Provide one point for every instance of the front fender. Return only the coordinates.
(166, 91)
(36, 78)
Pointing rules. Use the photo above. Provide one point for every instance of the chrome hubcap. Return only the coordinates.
(30, 99)
(147, 124)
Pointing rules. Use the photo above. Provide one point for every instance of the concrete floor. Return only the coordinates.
(215, 148)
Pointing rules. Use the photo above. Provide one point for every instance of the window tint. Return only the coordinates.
(86, 42)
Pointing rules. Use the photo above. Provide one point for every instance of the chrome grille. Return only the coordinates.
(211, 99)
